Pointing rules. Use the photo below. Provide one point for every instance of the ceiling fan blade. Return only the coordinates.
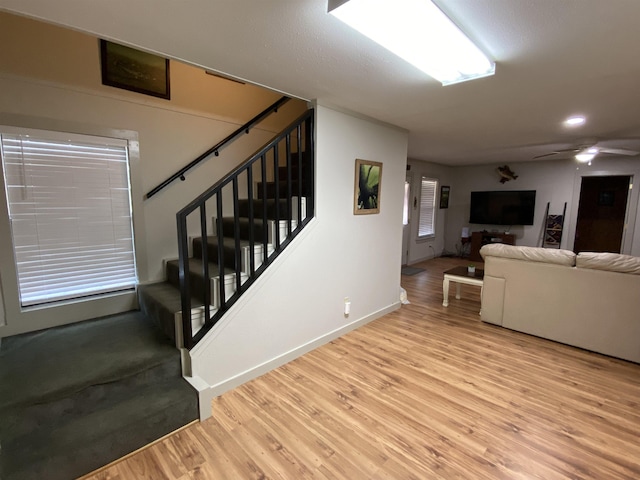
(556, 152)
(619, 151)
(546, 155)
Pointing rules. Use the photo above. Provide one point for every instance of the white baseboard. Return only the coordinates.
(208, 392)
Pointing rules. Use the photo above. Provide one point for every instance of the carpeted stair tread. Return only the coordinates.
(229, 246)
(195, 273)
(160, 301)
(280, 207)
(60, 450)
(50, 363)
(283, 191)
(259, 228)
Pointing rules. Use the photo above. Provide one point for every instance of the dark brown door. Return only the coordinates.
(601, 214)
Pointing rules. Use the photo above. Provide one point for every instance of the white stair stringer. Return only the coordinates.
(258, 256)
(282, 224)
(197, 322)
(229, 287)
(294, 207)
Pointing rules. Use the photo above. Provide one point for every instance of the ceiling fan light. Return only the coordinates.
(585, 157)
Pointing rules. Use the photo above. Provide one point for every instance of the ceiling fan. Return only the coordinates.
(585, 152)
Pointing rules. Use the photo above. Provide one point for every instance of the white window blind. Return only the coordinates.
(426, 225)
(70, 210)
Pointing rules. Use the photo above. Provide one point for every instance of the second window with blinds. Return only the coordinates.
(427, 213)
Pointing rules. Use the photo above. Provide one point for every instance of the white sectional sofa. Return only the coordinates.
(589, 300)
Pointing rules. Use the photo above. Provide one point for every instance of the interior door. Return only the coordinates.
(406, 220)
(601, 214)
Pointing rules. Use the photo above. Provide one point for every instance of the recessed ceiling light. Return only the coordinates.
(575, 121)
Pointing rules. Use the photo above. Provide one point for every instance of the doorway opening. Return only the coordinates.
(602, 212)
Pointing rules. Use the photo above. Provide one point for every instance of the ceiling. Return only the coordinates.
(553, 58)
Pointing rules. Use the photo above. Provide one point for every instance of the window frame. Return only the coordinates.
(421, 206)
(19, 320)
(70, 215)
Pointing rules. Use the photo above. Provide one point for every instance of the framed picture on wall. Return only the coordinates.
(367, 187)
(444, 196)
(131, 69)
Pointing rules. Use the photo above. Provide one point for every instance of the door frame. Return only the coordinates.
(630, 214)
(406, 229)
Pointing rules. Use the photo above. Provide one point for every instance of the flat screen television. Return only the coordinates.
(505, 207)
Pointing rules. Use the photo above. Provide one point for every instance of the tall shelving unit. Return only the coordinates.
(553, 227)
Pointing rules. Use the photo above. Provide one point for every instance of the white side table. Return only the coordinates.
(460, 275)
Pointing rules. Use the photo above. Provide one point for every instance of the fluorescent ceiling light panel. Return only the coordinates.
(420, 33)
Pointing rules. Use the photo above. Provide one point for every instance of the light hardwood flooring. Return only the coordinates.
(426, 392)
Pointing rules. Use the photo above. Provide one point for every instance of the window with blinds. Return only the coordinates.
(70, 212)
(426, 222)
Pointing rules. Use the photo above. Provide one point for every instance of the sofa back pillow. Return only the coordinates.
(611, 262)
(530, 254)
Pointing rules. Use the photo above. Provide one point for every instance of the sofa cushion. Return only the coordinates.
(530, 254)
(612, 262)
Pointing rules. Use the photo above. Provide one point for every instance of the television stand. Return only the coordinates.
(478, 239)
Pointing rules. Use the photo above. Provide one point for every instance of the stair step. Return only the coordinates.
(259, 228)
(197, 283)
(280, 207)
(229, 246)
(160, 302)
(295, 166)
(283, 191)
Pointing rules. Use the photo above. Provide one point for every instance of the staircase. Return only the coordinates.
(259, 208)
(77, 397)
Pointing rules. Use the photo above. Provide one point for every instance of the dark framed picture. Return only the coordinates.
(367, 187)
(131, 69)
(444, 196)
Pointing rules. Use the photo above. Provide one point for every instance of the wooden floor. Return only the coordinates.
(426, 392)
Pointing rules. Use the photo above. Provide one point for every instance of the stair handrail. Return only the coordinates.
(306, 119)
(219, 146)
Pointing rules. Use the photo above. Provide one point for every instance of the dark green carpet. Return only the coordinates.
(77, 397)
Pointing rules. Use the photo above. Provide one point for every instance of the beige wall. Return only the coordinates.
(46, 52)
(50, 78)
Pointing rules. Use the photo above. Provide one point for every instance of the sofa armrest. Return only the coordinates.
(492, 309)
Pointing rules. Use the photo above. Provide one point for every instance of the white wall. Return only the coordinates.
(298, 303)
(556, 182)
(424, 249)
